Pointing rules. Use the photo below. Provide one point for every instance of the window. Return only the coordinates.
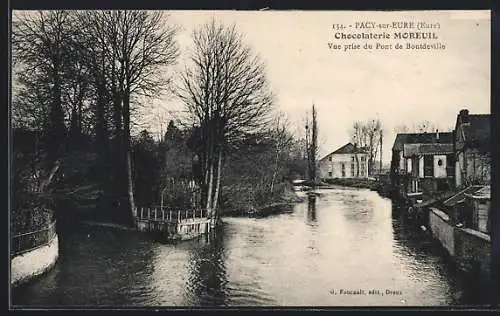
(330, 158)
(343, 170)
(330, 174)
(428, 166)
(363, 158)
(353, 159)
(352, 170)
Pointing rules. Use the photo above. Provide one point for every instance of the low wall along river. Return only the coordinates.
(469, 249)
(32, 264)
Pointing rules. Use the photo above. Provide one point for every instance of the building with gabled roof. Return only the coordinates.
(348, 161)
(472, 149)
(422, 163)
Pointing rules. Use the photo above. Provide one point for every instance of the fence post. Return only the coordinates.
(170, 214)
(142, 212)
(179, 216)
(156, 213)
(162, 214)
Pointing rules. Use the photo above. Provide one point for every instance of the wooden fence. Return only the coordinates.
(168, 214)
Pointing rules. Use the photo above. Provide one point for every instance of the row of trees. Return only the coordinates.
(79, 78)
(79, 75)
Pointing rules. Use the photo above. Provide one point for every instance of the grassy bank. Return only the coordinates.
(355, 183)
(247, 200)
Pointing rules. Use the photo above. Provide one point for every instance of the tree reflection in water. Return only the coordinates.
(311, 211)
(207, 280)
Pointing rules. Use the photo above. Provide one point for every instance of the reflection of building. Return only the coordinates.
(348, 161)
(422, 163)
(472, 149)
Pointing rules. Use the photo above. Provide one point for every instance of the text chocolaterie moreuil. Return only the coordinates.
(385, 35)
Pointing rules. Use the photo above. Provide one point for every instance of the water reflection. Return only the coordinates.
(95, 267)
(311, 212)
(418, 250)
(207, 279)
(344, 239)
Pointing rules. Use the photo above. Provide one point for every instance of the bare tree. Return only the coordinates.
(368, 136)
(226, 95)
(138, 45)
(39, 42)
(282, 140)
(312, 145)
(417, 127)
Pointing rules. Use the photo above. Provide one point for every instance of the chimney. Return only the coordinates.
(464, 116)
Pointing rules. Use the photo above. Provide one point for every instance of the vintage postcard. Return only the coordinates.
(175, 158)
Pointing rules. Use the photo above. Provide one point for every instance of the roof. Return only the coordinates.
(427, 149)
(421, 138)
(482, 194)
(348, 148)
(461, 196)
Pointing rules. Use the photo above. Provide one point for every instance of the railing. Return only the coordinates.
(168, 215)
(22, 243)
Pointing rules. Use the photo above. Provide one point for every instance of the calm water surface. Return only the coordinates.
(319, 254)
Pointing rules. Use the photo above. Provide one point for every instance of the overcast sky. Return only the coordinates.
(397, 86)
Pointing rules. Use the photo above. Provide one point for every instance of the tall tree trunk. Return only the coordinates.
(56, 129)
(380, 140)
(130, 188)
(217, 183)
(275, 171)
(128, 155)
(314, 145)
(209, 189)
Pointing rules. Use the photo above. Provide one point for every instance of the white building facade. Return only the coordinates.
(346, 162)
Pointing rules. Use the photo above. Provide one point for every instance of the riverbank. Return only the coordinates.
(32, 264)
(256, 262)
(283, 203)
(352, 182)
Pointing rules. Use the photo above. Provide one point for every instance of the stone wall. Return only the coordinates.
(470, 249)
(31, 264)
(442, 230)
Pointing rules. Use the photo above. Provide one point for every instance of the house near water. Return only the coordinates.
(472, 149)
(349, 161)
(447, 176)
(423, 164)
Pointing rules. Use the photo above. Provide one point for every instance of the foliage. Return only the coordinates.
(227, 98)
(79, 90)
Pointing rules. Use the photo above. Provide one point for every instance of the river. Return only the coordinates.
(345, 249)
